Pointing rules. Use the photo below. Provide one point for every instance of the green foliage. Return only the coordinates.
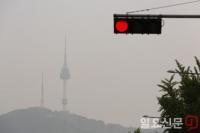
(181, 95)
(137, 130)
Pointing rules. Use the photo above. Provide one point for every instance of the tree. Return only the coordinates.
(137, 130)
(181, 95)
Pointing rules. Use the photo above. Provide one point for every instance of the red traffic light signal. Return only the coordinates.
(137, 25)
(121, 25)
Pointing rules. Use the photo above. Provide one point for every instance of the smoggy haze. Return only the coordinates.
(113, 77)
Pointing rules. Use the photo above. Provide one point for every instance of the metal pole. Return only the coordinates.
(146, 116)
(156, 16)
(42, 91)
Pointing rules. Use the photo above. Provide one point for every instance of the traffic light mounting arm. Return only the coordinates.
(155, 16)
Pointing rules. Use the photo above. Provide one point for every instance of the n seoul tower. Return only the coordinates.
(64, 76)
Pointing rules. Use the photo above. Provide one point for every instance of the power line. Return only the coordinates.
(167, 6)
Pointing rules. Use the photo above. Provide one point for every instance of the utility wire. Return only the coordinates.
(167, 6)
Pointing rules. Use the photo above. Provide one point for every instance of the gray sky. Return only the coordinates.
(114, 77)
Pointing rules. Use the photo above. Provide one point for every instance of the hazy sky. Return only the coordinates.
(113, 77)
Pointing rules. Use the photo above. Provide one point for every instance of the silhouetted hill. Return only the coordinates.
(41, 120)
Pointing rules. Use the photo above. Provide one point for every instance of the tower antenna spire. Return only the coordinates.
(65, 55)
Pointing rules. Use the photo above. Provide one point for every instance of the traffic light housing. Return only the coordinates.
(137, 25)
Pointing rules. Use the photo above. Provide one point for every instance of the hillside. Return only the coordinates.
(40, 120)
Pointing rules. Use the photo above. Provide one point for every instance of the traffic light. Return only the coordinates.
(137, 25)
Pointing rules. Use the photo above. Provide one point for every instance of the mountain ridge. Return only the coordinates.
(43, 120)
